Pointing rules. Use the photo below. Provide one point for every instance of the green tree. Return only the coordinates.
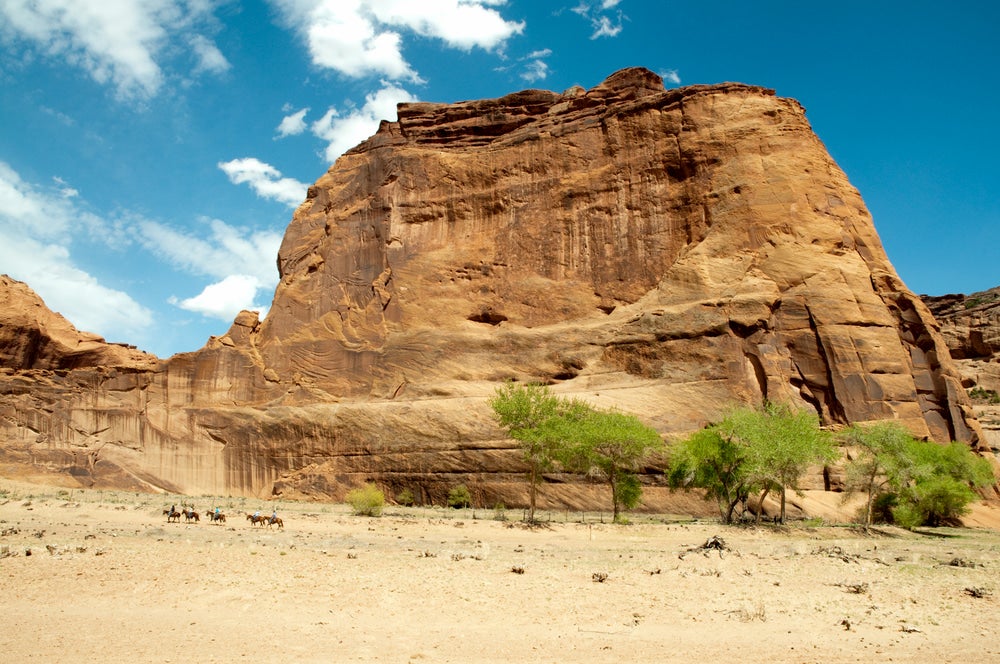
(521, 410)
(783, 443)
(715, 461)
(750, 450)
(460, 497)
(920, 483)
(609, 445)
(880, 463)
(944, 480)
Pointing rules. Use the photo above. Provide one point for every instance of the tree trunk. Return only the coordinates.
(614, 498)
(532, 489)
(732, 508)
(760, 502)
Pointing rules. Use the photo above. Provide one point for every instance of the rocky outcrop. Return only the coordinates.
(665, 252)
(33, 337)
(970, 325)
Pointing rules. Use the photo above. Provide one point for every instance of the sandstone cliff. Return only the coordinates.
(970, 325)
(668, 253)
(34, 337)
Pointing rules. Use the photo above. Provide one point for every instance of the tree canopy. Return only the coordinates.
(522, 409)
(751, 450)
(911, 482)
(607, 444)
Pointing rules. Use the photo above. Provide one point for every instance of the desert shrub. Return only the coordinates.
(906, 515)
(459, 497)
(883, 507)
(973, 302)
(367, 500)
(940, 500)
(500, 512)
(405, 498)
(989, 396)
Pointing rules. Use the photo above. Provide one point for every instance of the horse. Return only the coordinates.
(213, 516)
(255, 519)
(275, 520)
(172, 515)
(191, 515)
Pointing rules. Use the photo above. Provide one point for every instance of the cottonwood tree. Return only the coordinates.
(879, 461)
(751, 450)
(521, 409)
(917, 482)
(783, 443)
(714, 460)
(609, 445)
(945, 481)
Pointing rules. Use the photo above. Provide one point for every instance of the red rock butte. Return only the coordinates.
(669, 253)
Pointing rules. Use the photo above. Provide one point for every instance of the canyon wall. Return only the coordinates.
(669, 253)
(970, 325)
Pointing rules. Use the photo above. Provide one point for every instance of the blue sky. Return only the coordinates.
(152, 151)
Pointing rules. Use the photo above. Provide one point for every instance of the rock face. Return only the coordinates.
(33, 337)
(666, 252)
(970, 325)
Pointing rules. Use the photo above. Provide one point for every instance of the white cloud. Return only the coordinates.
(242, 262)
(265, 180)
(671, 76)
(43, 213)
(604, 28)
(462, 24)
(342, 132)
(117, 42)
(294, 124)
(210, 58)
(536, 70)
(603, 24)
(221, 252)
(37, 226)
(92, 307)
(64, 189)
(225, 299)
(361, 38)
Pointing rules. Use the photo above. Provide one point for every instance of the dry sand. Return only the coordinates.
(109, 580)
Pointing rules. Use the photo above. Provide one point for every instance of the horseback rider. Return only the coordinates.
(274, 515)
(216, 516)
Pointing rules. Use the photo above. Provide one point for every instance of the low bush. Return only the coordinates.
(367, 500)
(405, 498)
(459, 497)
(989, 396)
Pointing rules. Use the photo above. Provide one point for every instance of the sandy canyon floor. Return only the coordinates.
(109, 580)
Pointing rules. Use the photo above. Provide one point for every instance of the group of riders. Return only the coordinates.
(257, 518)
(217, 515)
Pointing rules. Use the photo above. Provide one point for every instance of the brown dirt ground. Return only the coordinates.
(108, 580)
